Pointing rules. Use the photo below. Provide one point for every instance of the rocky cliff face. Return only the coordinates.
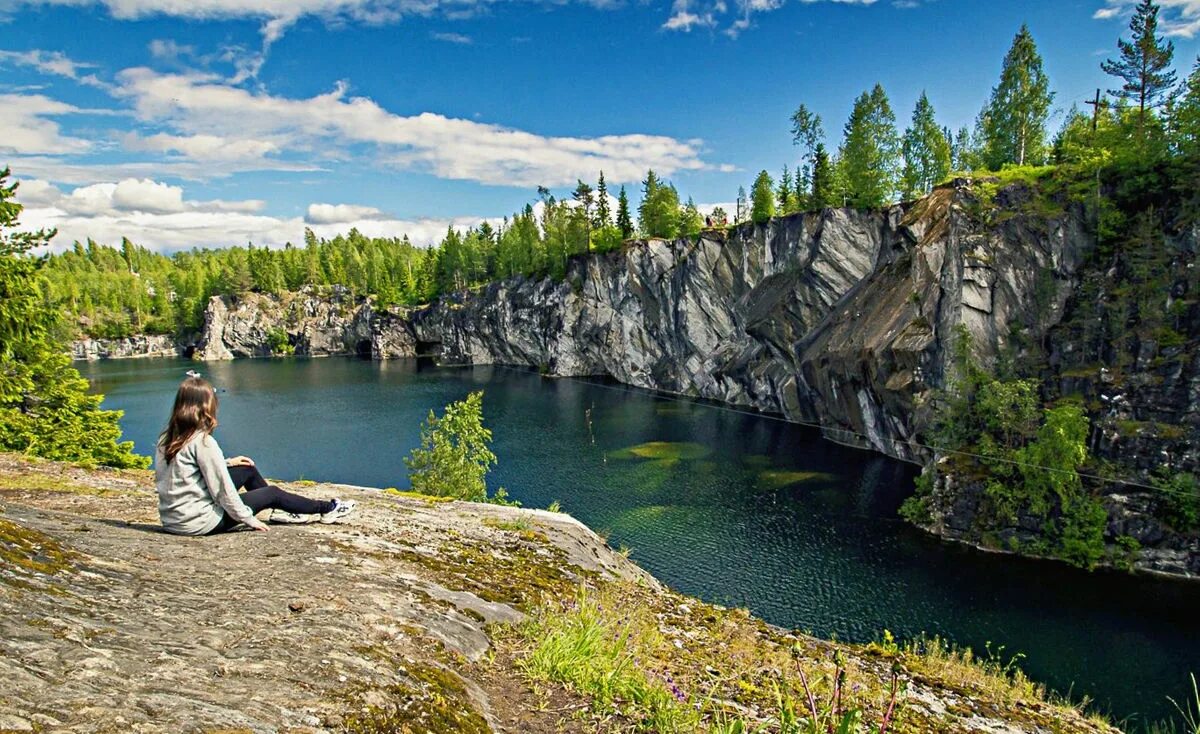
(840, 318)
(134, 347)
(308, 323)
(844, 319)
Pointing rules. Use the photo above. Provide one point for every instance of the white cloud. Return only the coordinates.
(144, 195)
(1177, 18)
(198, 105)
(158, 216)
(25, 129)
(53, 62)
(340, 213)
(458, 38)
(683, 19)
(689, 14)
(202, 147)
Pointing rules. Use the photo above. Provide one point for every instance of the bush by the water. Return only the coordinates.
(45, 407)
(454, 457)
(1027, 458)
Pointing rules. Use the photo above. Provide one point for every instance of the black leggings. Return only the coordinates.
(262, 496)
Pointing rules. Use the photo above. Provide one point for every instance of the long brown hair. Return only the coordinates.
(195, 410)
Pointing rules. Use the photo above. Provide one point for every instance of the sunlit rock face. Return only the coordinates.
(841, 317)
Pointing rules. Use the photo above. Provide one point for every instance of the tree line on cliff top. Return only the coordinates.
(112, 292)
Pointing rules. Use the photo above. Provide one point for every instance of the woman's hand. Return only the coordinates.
(239, 461)
(255, 524)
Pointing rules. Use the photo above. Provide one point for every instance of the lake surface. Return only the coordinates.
(733, 508)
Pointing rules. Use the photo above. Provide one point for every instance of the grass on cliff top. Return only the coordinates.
(655, 662)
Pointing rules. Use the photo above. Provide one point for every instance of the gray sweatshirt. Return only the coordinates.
(195, 486)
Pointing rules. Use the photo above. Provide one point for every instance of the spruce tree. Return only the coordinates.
(870, 155)
(624, 219)
(822, 180)
(658, 214)
(46, 408)
(603, 215)
(1012, 127)
(1144, 63)
(762, 199)
(784, 193)
(926, 152)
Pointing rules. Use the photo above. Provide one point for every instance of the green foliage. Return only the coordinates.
(277, 340)
(454, 457)
(591, 652)
(1012, 127)
(624, 219)
(658, 213)
(1178, 501)
(45, 407)
(1144, 64)
(926, 152)
(824, 193)
(690, 221)
(870, 153)
(1026, 457)
(762, 199)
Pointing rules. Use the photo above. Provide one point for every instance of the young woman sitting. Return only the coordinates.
(198, 489)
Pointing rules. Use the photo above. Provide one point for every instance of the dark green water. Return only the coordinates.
(823, 553)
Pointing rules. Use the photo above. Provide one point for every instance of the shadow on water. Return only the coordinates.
(737, 509)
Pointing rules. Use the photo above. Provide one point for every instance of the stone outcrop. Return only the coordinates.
(401, 621)
(133, 347)
(310, 323)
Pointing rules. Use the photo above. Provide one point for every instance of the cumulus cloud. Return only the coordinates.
(158, 216)
(340, 213)
(198, 105)
(26, 129)
(1178, 17)
(131, 195)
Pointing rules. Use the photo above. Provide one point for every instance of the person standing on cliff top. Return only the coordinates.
(198, 488)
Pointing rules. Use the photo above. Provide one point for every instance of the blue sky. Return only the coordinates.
(216, 122)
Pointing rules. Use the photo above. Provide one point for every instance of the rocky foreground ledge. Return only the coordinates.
(422, 616)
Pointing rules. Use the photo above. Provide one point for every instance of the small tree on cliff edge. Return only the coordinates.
(1144, 64)
(762, 199)
(1012, 127)
(454, 457)
(45, 407)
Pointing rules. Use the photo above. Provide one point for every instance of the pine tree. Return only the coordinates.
(962, 152)
(822, 180)
(743, 206)
(1144, 64)
(926, 152)
(624, 219)
(870, 154)
(762, 199)
(784, 194)
(603, 215)
(1012, 127)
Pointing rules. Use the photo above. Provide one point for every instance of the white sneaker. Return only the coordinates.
(341, 509)
(282, 517)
